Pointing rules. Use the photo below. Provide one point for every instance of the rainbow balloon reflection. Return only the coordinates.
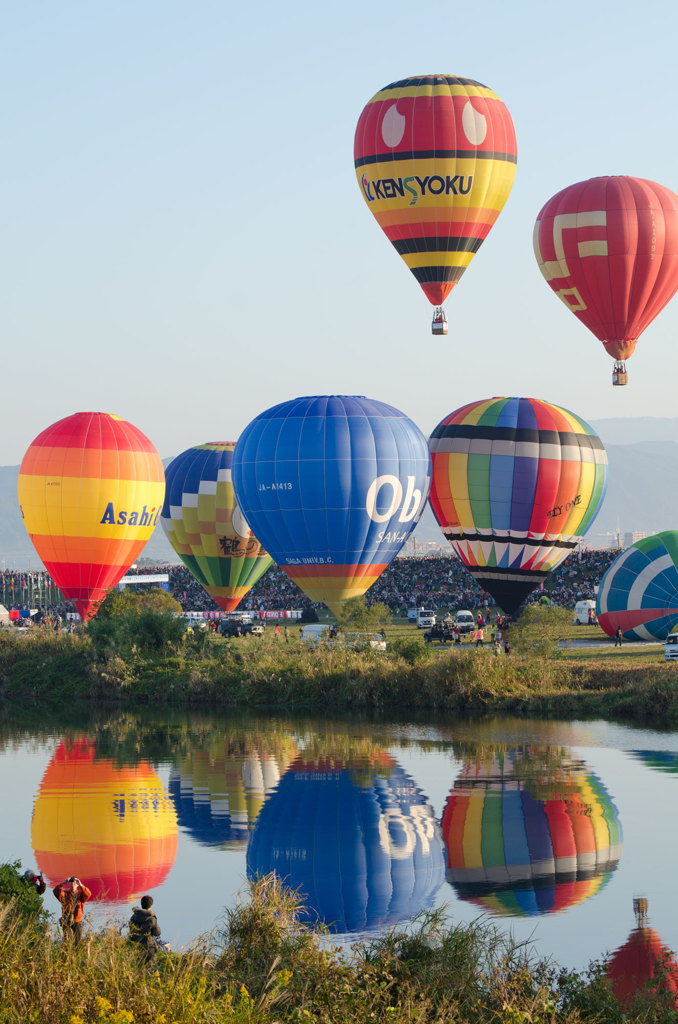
(218, 796)
(529, 831)
(113, 826)
(355, 836)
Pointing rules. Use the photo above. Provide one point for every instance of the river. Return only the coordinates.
(548, 829)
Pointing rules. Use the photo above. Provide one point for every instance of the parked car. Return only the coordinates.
(464, 621)
(240, 627)
(443, 632)
(671, 647)
(426, 617)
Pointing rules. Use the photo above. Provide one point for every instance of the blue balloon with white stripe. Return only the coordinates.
(639, 592)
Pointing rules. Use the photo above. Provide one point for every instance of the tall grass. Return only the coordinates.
(266, 967)
(249, 673)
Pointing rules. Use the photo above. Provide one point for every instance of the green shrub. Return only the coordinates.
(22, 895)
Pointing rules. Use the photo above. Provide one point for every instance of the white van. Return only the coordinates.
(314, 633)
(464, 621)
(426, 618)
(671, 647)
(581, 613)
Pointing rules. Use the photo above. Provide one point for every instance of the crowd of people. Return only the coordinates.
(434, 582)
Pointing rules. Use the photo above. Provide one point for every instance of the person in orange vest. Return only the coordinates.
(72, 895)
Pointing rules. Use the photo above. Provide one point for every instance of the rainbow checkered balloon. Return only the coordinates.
(205, 526)
(516, 483)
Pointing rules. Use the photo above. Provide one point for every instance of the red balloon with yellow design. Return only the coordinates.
(608, 248)
(91, 489)
(435, 157)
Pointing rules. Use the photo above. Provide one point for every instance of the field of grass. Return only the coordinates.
(267, 967)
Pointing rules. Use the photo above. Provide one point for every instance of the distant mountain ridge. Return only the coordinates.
(642, 493)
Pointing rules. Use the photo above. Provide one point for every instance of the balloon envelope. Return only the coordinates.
(518, 849)
(516, 483)
(218, 797)
(644, 961)
(113, 826)
(639, 592)
(359, 841)
(608, 248)
(435, 158)
(333, 486)
(205, 526)
(90, 489)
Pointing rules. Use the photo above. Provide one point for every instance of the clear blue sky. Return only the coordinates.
(185, 244)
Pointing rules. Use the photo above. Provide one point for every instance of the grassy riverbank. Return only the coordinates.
(267, 967)
(204, 669)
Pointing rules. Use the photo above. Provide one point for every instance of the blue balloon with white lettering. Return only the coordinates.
(332, 486)
(355, 836)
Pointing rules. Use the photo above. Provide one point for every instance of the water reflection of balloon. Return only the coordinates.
(113, 826)
(218, 795)
(516, 483)
(90, 489)
(529, 832)
(435, 158)
(643, 962)
(639, 591)
(332, 486)
(608, 248)
(356, 836)
(205, 526)
(659, 760)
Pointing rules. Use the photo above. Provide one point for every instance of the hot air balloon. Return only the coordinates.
(639, 592)
(608, 248)
(355, 835)
(218, 796)
(644, 963)
(435, 158)
(332, 486)
(516, 483)
(90, 489)
(113, 826)
(205, 527)
(529, 831)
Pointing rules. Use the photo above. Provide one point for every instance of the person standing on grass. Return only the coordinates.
(72, 895)
(618, 637)
(144, 929)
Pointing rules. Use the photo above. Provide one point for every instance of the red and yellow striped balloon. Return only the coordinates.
(91, 489)
(114, 826)
(435, 158)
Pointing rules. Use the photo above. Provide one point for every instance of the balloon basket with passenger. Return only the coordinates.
(439, 323)
(619, 374)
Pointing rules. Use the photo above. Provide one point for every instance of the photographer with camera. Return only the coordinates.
(72, 895)
(35, 880)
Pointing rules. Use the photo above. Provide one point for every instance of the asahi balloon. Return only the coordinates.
(90, 489)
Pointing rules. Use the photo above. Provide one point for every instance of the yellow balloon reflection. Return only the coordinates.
(113, 826)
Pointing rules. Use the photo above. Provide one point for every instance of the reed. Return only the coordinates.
(207, 670)
(267, 966)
